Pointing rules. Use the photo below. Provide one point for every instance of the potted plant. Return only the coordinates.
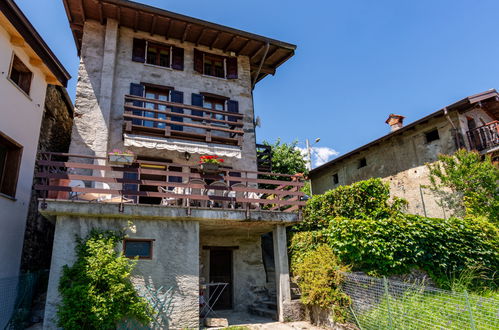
(119, 157)
(210, 164)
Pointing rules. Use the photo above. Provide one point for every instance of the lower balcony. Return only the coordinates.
(484, 138)
(69, 177)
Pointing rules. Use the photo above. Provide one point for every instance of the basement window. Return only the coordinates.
(141, 248)
(10, 161)
(20, 75)
(362, 163)
(335, 178)
(432, 136)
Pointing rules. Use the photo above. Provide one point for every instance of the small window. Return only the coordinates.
(10, 161)
(215, 65)
(141, 248)
(215, 104)
(335, 178)
(362, 163)
(432, 136)
(158, 54)
(20, 75)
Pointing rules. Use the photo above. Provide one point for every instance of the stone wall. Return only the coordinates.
(55, 136)
(175, 261)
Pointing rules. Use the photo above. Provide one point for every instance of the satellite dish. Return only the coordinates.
(258, 121)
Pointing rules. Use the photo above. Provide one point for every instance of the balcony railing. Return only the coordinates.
(88, 178)
(484, 137)
(152, 117)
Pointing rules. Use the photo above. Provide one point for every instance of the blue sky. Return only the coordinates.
(357, 60)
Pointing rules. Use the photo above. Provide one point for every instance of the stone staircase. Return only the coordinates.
(266, 306)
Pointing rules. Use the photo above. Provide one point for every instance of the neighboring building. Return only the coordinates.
(400, 156)
(27, 67)
(171, 88)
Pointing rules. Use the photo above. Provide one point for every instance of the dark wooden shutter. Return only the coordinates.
(178, 97)
(231, 67)
(198, 61)
(177, 58)
(131, 187)
(232, 106)
(139, 50)
(137, 90)
(197, 100)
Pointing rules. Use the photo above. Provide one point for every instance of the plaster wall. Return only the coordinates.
(91, 122)
(400, 161)
(20, 118)
(175, 261)
(248, 270)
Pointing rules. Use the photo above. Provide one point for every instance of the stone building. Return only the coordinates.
(27, 67)
(399, 157)
(171, 88)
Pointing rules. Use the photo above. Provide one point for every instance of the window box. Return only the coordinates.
(121, 159)
(210, 168)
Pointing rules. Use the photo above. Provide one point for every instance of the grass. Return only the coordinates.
(432, 310)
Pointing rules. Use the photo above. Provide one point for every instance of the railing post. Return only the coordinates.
(387, 294)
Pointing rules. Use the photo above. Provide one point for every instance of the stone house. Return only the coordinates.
(172, 88)
(399, 157)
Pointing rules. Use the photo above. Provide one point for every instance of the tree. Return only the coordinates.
(466, 183)
(287, 158)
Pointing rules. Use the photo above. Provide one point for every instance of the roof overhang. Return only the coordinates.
(184, 28)
(23, 34)
(488, 100)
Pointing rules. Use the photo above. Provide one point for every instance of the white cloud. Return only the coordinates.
(320, 155)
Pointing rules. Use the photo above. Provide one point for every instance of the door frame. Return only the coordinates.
(231, 250)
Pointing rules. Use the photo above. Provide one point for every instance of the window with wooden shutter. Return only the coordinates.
(20, 75)
(137, 90)
(10, 162)
(198, 61)
(178, 97)
(177, 58)
(231, 67)
(139, 50)
(232, 106)
(197, 100)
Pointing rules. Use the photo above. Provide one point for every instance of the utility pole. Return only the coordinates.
(309, 155)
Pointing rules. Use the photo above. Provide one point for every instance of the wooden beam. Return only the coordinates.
(136, 21)
(51, 80)
(77, 27)
(153, 24)
(272, 53)
(230, 43)
(170, 27)
(167, 30)
(258, 51)
(243, 47)
(264, 69)
(118, 14)
(201, 35)
(82, 10)
(66, 7)
(17, 41)
(186, 30)
(35, 61)
(101, 13)
(215, 40)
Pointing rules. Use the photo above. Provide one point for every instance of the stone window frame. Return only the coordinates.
(9, 170)
(143, 240)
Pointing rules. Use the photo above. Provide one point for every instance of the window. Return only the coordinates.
(20, 75)
(154, 53)
(215, 65)
(160, 95)
(10, 161)
(362, 163)
(141, 248)
(335, 178)
(215, 104)
(432, 136)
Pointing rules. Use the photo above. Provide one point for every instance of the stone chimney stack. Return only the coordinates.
(395, 121)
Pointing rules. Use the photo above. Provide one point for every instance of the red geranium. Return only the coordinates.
(210, 159)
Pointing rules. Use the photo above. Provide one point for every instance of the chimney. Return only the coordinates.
(395, 121)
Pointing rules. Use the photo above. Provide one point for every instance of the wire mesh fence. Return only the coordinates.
(378, 303)
(16, 298)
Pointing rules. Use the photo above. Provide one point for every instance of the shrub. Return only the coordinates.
(96, 291)
(320, 276)
(369, 199)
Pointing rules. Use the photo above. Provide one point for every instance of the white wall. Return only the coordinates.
(20, 118)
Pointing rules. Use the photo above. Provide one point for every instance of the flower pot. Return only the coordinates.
(58, 194)
(121, 159)
(210, 168)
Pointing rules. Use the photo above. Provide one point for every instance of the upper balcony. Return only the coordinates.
(81, 179)
(484, 138)
(164, 119)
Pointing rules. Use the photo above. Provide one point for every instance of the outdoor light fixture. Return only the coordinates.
(187, 155)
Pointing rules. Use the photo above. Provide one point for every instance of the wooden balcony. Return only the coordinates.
(151, 117)
(86, 178)
(485, 137)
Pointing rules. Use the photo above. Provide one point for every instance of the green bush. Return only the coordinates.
(369, 199)
(96, 291)
(442, 247)
(320, 276)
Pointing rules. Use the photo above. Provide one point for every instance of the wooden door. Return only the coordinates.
(221, 271)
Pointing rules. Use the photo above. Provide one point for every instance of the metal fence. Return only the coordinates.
(16, 298)
(379, 303)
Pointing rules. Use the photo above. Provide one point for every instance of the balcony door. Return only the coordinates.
(159, 95)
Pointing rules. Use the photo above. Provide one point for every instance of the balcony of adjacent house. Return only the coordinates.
(155, 122)
(484, 138)
(165, 189)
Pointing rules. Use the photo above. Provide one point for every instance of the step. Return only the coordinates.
(265, 312)
(271, 304)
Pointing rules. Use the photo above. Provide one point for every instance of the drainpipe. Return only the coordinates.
(260, 66)
(456, 133)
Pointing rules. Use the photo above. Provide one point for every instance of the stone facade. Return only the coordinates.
(400, 160)
(55, 136)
